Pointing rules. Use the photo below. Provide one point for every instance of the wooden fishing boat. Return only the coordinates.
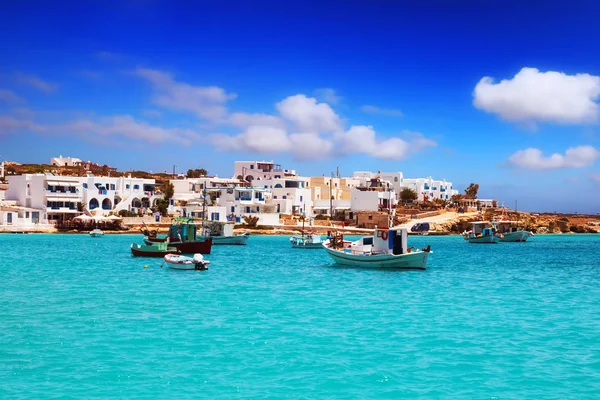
(387, 248)
(481, 232)
(221, 233)
(153, 250)
(182, 236)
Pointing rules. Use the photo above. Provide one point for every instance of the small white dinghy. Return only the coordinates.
(176, 261)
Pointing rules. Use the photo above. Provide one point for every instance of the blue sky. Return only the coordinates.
(391, 86)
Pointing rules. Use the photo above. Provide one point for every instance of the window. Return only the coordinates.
(85, 185)
(300, 198)
(370, 217)
(252, 167)
(395, 179)
(136, 187)
(127, 186)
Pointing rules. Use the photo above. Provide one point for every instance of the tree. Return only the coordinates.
(457, 197)
(251, 221)
(471, 191)
(196, 173)
(407, 194)
(163, 204)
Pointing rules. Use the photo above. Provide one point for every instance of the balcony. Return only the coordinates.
(50, 193)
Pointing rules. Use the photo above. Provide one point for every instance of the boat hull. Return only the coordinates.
(484, 239)
(184, 263)
(416, 260)
(235, 240)
(299, 242)
(519, 236)
(144, 251)
(202, 246)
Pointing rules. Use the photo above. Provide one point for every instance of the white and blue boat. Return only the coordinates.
(482, 232)
(386, 249)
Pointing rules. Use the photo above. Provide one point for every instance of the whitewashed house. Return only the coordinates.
(59, 195)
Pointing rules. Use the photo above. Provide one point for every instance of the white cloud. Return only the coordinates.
(328, 95)
(363, 139)
(310, 146)
(10, 124)
(595, 178)
(534, 96)
(574, 157)
(126, 126)
(258, 139)
(308, 115)
(244, 120)
(207, 102)
(390, 112)
(36, 82)
(9, 96)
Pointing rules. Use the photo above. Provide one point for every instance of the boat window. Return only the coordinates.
(367, 241)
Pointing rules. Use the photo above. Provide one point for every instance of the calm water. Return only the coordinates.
(80, 317)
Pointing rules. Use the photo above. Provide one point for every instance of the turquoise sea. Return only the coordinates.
(81, 318)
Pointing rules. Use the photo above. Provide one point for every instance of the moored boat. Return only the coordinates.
(182, 236)
(176, 261)
(221, 233)
(511, 232)
(96, 233)
(481, 232)
(153, 250)
(307, 241)
(387, 248)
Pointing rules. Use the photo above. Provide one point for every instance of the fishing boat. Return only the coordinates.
(307, 241)
(511, 232)
(482, 232)
(197, 262)
(153, 250)
(96, 233)
(386, 249)
(182, 236)
(221, 233)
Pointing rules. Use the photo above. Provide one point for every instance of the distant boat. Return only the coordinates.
(307, 241)
(197, 262)
(153, 250)
(387, 248)
(511, 232)
(221, 233)
(96, 233)
(182, 236)
(481, 232)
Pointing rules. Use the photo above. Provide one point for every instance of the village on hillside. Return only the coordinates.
(69, 194)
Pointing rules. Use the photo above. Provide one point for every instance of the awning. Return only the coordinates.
(341, 208)
(53, 183)
(320, 208)
(60, 199)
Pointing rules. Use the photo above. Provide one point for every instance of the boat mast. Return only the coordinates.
(203, 207)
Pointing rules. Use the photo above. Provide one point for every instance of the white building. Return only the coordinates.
(65, 161)
(260, 170)
(16, 217)
(59, 195)
(429, 189)
(426, 188)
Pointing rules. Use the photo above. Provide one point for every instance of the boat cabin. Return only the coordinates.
(184, 232)
(384, 241)
(216, 228)
(507, 227)
(482, 229)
